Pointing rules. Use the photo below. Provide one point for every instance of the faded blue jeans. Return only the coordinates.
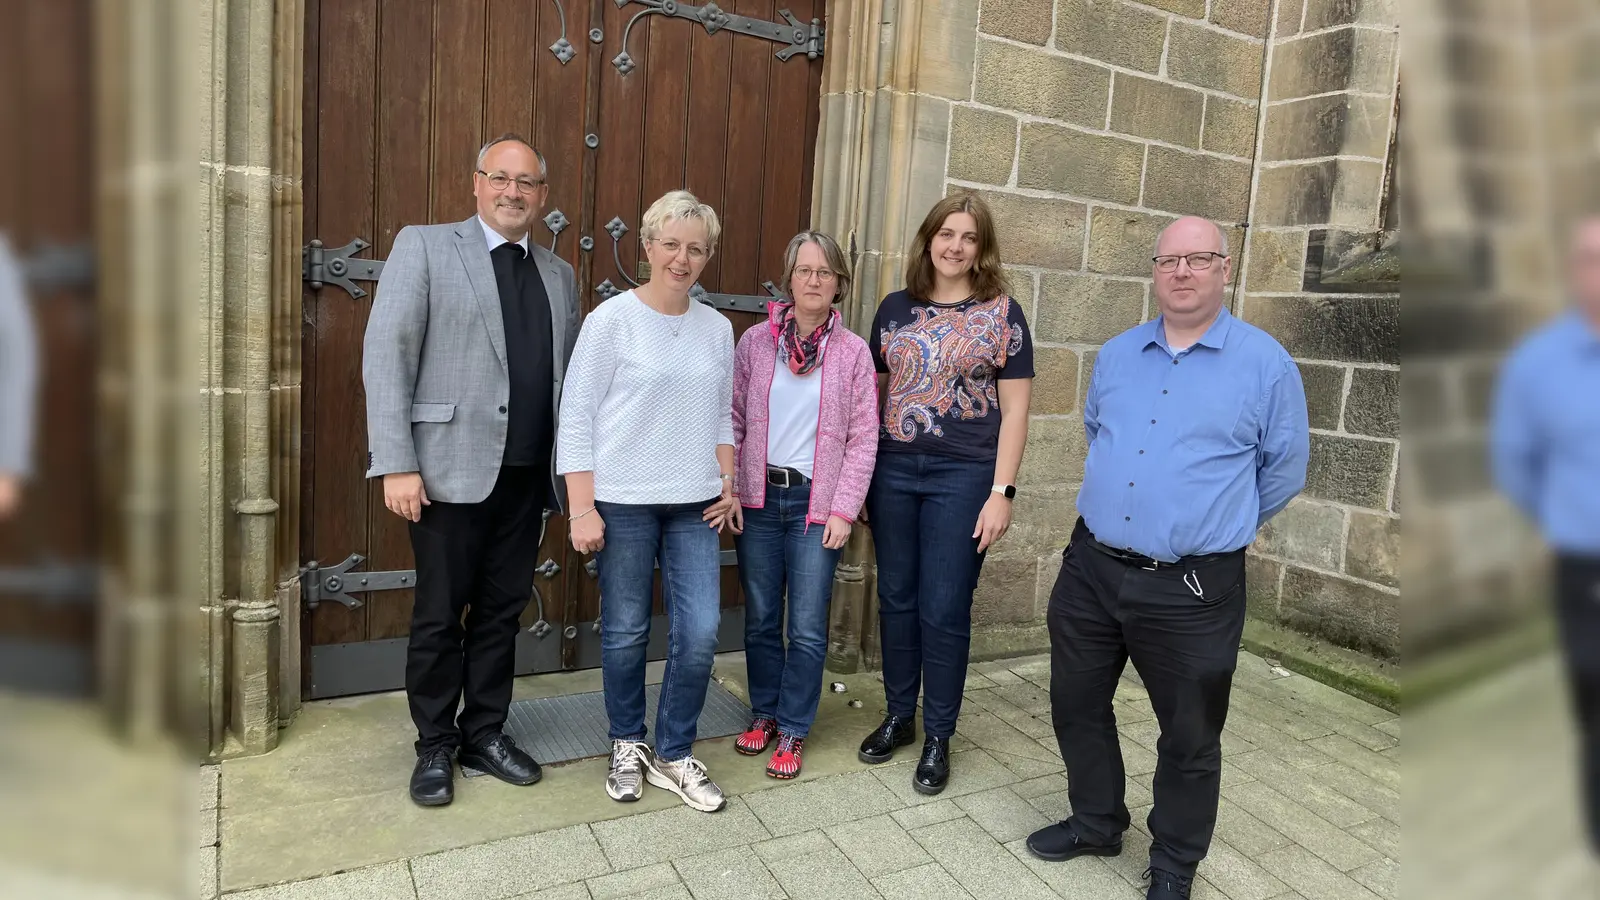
(637, 536)
(778, 551)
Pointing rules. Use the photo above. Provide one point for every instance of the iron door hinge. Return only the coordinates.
(319, 266)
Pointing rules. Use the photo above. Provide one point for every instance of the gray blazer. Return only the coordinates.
(434, 361)
(19, 368)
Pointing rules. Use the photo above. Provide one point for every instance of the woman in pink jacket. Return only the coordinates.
(805, 428)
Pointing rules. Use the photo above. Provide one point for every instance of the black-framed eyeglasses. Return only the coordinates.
(1199, 262)
(500, 181)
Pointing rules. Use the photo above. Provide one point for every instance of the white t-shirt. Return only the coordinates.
(793, 409)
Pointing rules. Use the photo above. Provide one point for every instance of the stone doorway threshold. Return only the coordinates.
(333, 798)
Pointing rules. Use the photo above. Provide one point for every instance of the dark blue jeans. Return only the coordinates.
(637, 536)
(923, 509)
(778, 550)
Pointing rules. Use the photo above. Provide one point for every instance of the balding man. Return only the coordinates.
(1545, 448)
(1197, 435)
(465, 352)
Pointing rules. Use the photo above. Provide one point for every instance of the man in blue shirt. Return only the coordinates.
(1197, 434)
(1545, 448)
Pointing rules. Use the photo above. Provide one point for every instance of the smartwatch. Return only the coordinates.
(1008, 491)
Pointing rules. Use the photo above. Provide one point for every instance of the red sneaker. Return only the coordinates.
(785, 762)
(756, 737)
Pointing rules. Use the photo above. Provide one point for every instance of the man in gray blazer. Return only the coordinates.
(464, 356)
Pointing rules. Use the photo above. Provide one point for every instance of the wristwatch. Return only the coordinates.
(1008, 491)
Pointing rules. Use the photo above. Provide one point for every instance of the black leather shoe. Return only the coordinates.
(880, 745)
(1166, 885)
(1059, 842)
(933, 770)
(501, 757)
(433, 780)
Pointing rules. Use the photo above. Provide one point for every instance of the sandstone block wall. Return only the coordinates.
(1089, 125)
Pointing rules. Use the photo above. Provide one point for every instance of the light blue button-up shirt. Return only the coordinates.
(1545, 441)
(1190, 451)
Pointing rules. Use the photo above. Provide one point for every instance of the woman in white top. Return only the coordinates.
(646, 445)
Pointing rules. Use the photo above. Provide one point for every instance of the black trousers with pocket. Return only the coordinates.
(1185, 646)
(1578, 612)
(475, 565)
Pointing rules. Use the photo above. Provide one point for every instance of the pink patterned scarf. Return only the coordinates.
(804, 353)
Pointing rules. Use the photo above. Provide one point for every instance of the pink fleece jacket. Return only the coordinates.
(847, 425)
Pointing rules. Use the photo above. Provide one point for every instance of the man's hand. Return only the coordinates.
(836, 533)
(10, 494)
(404, 495)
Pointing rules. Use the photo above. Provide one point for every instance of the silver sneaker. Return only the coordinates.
(687, 778)
(625, 781)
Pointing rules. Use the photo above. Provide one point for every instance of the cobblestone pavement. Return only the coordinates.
(1310, 809)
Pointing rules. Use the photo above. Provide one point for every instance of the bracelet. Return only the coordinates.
(582, 514)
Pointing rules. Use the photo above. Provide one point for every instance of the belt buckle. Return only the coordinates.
(771, 470)
(1153, 565)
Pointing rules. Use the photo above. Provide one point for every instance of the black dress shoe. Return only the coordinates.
(1059, 842)
(933, 770)
(501, 757)
(1166, 885)
(880, 745)
(432, 781)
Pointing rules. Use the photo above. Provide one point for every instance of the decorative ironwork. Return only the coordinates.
(320, 266)
(617, 228)
(596, 35)
(591, 140)
(801, 37)
(606, 289)
(562, 48)
(556, 221)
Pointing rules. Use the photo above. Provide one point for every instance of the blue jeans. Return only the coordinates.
(637, 536)
(779, 550)
(923, 510)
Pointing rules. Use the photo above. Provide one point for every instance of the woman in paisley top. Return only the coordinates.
(955, 363)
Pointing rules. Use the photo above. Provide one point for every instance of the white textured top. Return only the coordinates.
(793, 408)
(647, 399)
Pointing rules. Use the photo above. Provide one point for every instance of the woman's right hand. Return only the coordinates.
(588, 532)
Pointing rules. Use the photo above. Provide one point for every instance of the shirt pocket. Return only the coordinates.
(1220, 422)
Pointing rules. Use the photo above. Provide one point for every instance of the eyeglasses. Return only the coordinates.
(1199, 262)
(806, 273)
(671, 248)
(500, 181)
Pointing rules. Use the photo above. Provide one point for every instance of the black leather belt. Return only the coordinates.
(782, 477)
(1145, 562)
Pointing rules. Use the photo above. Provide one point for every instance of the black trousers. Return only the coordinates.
(1104, 611)
(1578, 612)
(477, 559)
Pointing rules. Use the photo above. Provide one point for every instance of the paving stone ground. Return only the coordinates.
(1310, 809)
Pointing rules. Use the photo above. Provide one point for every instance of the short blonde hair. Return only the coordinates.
(681, 206)
(830, 252)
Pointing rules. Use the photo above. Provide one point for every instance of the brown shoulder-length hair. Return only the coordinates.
(988, 278)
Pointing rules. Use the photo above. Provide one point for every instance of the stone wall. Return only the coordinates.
(1090, 124)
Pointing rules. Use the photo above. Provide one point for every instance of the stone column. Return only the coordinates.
(250, 304)
(889, 73)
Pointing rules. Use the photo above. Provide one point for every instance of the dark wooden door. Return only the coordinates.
(400, 95)
(47, 183)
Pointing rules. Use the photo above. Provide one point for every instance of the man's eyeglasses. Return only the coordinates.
(500, 181)
(1198, 262)
(806, 273)
(671, 248)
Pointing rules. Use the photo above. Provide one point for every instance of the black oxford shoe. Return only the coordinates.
(1166, 885)
(432, 781)
(1059, 842)
(933, 770)
(880, 745)
(501, 757)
